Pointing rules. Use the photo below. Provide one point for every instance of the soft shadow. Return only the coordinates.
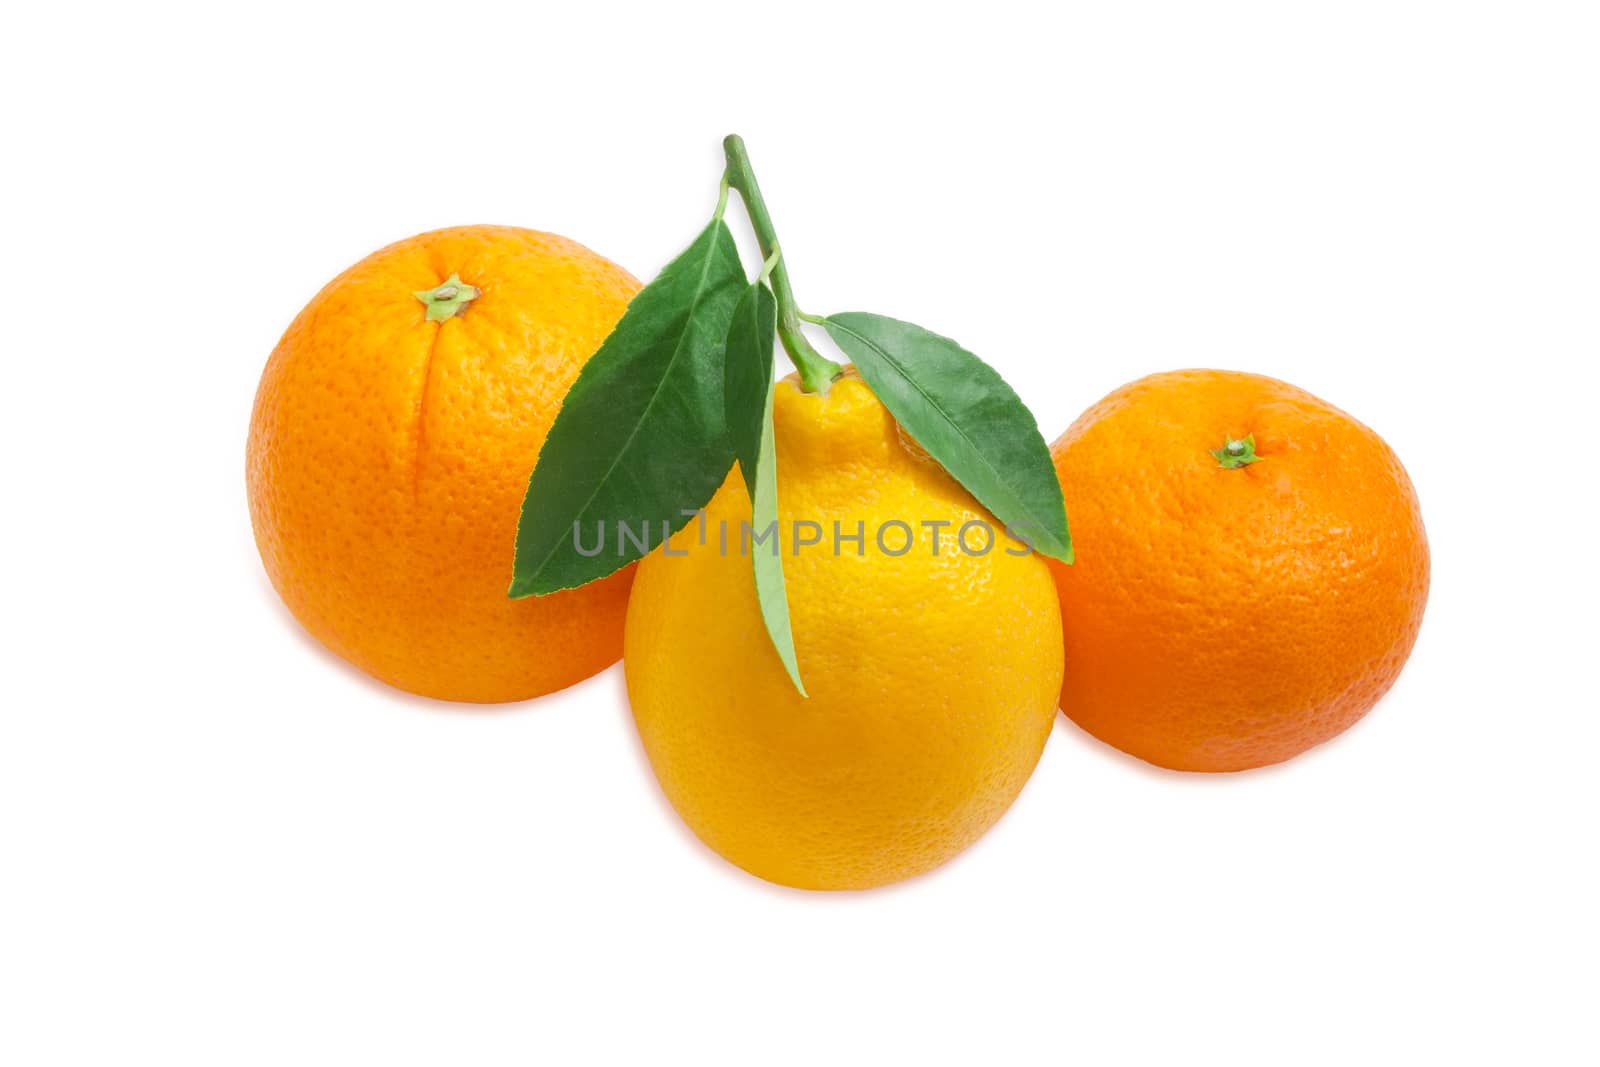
(377, 685)
(1205, 779)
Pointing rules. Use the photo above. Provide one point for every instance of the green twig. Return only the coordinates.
(816, 370)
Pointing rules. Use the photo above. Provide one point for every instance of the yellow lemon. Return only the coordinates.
(933, 670)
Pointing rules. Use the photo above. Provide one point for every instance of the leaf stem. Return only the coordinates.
(816, 370)
(770, 265)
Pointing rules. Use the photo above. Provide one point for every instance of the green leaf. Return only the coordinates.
(770, 591)
(749, 377)
(640, 437)
(967, 418)
(749, 390)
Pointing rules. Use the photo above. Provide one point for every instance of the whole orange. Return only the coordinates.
(1251, 570)
(394, 430)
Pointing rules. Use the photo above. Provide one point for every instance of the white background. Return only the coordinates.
(220, 846)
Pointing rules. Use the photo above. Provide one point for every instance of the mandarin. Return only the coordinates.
(1251, 570)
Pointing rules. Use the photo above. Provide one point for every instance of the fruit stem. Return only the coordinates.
(816, 370)
(447, 299)
(1237, 452)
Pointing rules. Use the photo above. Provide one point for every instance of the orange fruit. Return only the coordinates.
(393, 433)
(932, 677)
(1221, 614)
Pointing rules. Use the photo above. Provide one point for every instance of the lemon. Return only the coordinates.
(933, 670)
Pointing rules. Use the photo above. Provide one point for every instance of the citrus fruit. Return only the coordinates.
(393, 433)
(932, 678)
(1251, 570)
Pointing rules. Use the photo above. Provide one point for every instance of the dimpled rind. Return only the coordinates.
(388, 457)
(933, 679)
(1217, 619)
